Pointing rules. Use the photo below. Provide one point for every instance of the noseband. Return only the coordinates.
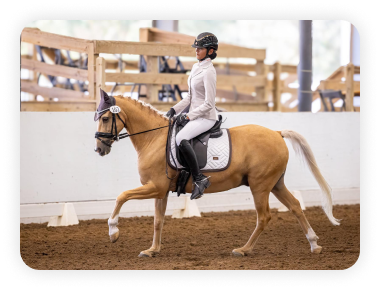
(113, 135)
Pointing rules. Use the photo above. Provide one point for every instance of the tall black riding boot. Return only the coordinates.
(200, 182)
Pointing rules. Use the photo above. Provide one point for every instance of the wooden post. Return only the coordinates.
(266, 87)
(152, 63)
(277, 87)
(35, 73)
(146, 35)
(91, 64)
(100, 77)
(349, 87)
(260, 70)
(152, 67)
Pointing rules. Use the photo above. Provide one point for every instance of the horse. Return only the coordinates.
(259, 160)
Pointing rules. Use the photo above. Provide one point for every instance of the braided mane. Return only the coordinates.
(144, 105)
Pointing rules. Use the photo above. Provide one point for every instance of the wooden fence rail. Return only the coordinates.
(181, 79)
(55, 70)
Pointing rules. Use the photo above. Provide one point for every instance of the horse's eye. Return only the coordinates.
(105, 119)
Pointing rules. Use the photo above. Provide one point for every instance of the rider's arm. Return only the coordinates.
(180, 106)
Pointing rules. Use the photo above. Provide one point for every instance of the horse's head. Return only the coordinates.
(109, 124)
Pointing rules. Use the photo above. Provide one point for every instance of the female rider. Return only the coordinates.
(202, 114)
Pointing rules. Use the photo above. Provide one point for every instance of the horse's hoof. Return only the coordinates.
(143, 255)
(238, 253)
(114, 237)
(317, 250)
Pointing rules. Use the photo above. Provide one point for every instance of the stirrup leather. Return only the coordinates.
(182, 181)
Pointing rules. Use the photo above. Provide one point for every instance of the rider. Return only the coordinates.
(202, 114)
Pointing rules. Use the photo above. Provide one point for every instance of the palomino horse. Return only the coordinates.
(259, 160)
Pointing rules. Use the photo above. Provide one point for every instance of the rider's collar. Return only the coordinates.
(204, 62)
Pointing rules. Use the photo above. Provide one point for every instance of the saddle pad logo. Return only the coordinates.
(115, 109)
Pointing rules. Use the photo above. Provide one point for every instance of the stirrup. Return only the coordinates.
(198, 189)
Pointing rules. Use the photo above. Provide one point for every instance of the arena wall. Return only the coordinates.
(58, 163)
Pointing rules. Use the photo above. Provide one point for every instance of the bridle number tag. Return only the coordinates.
(115, 109)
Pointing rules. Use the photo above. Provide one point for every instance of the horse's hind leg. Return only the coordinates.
(285, 197)
(159, 215)
(261, 199)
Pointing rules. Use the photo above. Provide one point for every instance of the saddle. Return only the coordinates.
(200, 145)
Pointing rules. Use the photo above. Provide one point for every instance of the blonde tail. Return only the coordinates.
(302, 148)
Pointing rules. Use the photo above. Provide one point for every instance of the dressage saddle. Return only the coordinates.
(199, 144)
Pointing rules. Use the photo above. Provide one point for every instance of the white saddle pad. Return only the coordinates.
(218, 153)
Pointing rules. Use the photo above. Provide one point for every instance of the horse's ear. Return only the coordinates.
(104, 96)
(105, 103)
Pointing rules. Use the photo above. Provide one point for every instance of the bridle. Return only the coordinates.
(115, 110)
(113, 135)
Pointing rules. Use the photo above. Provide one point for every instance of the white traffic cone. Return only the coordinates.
(68, 217)
(190, 210)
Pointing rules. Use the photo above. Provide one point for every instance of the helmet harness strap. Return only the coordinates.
(207, 56)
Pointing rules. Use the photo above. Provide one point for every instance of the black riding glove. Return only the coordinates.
(182, 119)
(170, 113)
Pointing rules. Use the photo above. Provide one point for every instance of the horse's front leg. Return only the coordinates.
(146, 191)
(159, 215)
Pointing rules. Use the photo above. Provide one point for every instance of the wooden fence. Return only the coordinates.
(343, 79)
(153, 78)
(68, 100)
(258, 83)
(272, 90)
(155, 43)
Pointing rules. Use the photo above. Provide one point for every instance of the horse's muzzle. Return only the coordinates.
(101, 151)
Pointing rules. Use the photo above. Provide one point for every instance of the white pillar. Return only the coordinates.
(305, 66)
(345, 40)
(168, 25)
(355, 56)
(355, 46)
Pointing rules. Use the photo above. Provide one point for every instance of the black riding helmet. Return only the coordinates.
(206, 40)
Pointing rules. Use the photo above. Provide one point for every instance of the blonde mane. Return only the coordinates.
(144, 105)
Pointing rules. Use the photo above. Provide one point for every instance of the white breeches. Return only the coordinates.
(194, 128)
